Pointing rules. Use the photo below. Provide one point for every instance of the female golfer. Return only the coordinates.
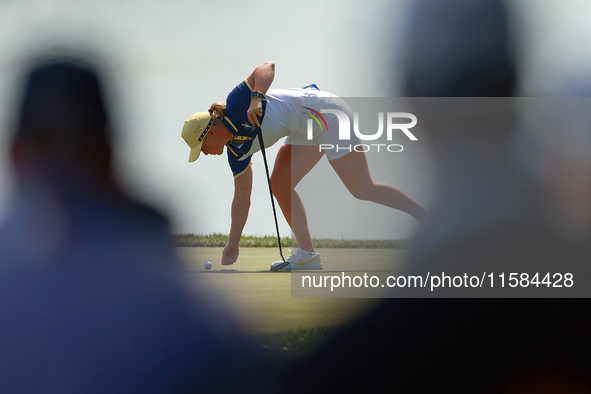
(284, 113)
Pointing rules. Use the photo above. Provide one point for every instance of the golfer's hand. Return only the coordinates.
(230, 254)
(255, 110)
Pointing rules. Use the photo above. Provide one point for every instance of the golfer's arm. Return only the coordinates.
(262, 77)
(240, 205)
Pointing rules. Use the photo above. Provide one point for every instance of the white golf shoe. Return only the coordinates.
(300, 260)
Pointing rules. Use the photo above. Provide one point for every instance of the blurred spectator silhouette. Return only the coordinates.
(91, 294)
(488, 215)
(487, 218)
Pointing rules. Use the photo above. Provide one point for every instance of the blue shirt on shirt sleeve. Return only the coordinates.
(236, 119)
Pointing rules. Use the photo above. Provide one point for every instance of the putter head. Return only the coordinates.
(280, 266)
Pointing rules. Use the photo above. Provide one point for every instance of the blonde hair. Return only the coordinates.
(217, 109)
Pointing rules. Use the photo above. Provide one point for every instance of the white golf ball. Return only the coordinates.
(208, 265)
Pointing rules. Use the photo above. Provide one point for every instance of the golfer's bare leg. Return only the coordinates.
(354, 172)
(292, 164)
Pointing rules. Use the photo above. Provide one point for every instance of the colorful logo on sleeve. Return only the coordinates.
(315, 115)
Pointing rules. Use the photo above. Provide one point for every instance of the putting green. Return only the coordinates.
(262, 299)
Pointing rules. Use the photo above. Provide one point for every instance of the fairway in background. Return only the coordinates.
(270, 241)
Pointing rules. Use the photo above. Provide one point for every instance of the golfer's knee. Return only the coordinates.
(362, 192)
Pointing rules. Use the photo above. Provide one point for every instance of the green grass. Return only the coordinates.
(220, 240)
(262, 300)
(270, 241)
(283, 327)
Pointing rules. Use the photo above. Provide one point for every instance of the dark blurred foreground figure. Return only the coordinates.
(91, 295)
(486, 219)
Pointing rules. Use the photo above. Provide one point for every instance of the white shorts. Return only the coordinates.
(324, 136)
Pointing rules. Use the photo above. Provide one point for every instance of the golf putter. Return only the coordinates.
(285, 263)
